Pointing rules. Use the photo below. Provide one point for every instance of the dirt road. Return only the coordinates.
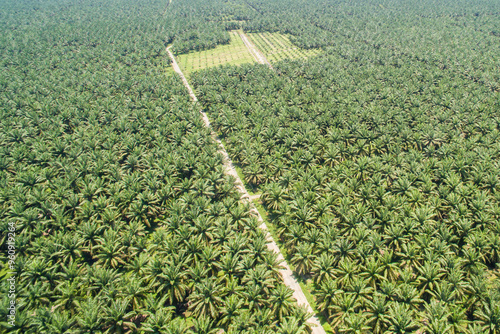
(286, 273)
(259, 57)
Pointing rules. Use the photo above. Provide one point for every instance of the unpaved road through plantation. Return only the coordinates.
(259, 57)
(287, 274)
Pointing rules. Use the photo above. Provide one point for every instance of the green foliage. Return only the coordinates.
(234, 53)
(125, 219)
(377, 162)
(378, 165)
(277, 47)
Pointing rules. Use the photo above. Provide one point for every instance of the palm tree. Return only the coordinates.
(255, 298)
(400, 319)
(489, 316)
(444, 292)
(138, 264)
(264, 320)
(205, 299)
(326, 295)
(359, 287)
(160, 321)
(231, 309)
(346, 271)
(228, 264)
(243, 322)
(437, 318)
(89, 231)
(273, 197)
(36, 270)
(377, 310)
(389, 266)
(134, 291)
(22, 323)
(341, 307)
(172, 283)
(429, 277)
(109, 250)
(458, 319)
(323, 268)
(60, 322)
(89, 317)
(291, 326)
(117, 317)
(70, 247)
(493, 252)
(343, 249)
(272, 262)
(355, 323)
(303, 259)
(372, 272)
(260, 277)
(36, 295)
(70, 295)
(436, 326)
(281, 301)
(204, 325)
(42, 319)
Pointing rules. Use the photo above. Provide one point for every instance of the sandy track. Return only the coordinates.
(261, 59)
(287, 274)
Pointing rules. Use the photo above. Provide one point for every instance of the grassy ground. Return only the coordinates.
(276, 47)
(234, 53)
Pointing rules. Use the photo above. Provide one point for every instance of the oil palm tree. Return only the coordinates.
(205, 299)
(326, 294)
(117, 317)
(400, 319)
(489, 316)
(89, 317)
(303, 259)
(377, 313)
(231, 309)
(291, 326)
(355, 323)
(161, 321)
(281, 301)
(323, 268)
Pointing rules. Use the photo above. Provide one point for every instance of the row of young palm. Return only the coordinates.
(380, 175)
(125, 220)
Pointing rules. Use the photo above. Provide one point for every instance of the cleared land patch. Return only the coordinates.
(234, 53)
(276, 47)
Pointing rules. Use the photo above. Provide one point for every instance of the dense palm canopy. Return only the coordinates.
(378, 163)
(125, 219)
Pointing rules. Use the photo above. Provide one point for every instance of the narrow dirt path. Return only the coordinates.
(286, 272)
(166, 7)
(261, 59)
(255, 9)
(254, 197)
(177, 69)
